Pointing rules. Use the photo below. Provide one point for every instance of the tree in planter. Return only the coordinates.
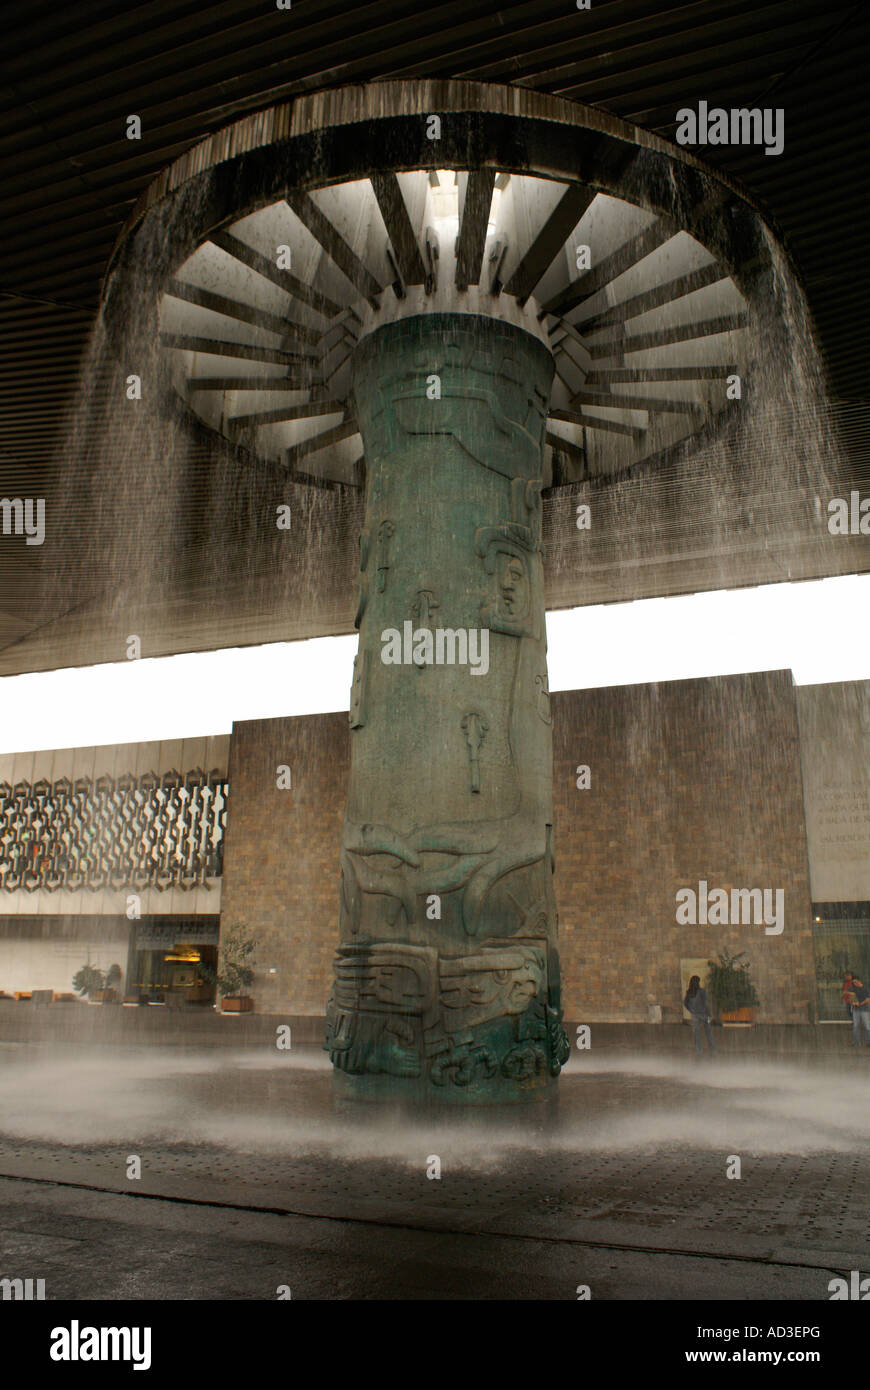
(236, 974)
(89, 980)
(729, 983)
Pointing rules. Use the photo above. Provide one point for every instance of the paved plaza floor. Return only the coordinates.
(252, 1180)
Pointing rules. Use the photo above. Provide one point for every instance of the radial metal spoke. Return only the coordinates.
(558, 360)
(593, 422)
(648, 403)
(298, 452)
(308, 411)
(568, 331)
(603, 376)
(614, 265)
(652, 299)
(335, 246)
(569, 450)
(249, 352)
(666, 337)
(298, 382)
(589, 338)
(550, 240)
(240, 311)
(473, 226)
(399, 228)
(247, 255)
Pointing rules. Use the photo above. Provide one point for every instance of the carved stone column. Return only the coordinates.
(447, 975)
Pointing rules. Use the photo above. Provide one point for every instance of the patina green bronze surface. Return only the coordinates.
(447, 976)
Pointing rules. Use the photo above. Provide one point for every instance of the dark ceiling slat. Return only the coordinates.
(106, 47)
(25, 34)
(606, 36)
(56, 340)
(658, 114)
(53, 375)
(639, 66)
(209, 49)
(249, 68)
(35, 356)
(206, 34)
(682, 86)
(88, 252)
(37, 309)
(74, 196)
(520, 29)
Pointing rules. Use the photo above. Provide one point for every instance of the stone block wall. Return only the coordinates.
(690, 780)
(281, 869)
(835, 739)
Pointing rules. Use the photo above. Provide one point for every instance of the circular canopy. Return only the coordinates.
(270, 249)
(644, 324)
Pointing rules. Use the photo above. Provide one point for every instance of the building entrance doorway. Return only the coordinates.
(841, 941)
(170, 960)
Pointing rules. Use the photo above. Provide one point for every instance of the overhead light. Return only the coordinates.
(445, 204)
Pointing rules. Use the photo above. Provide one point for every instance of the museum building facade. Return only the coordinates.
(691, 818)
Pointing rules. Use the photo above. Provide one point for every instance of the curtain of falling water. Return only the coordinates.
(152, 509)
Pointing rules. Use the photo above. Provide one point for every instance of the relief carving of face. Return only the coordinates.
(513, 585)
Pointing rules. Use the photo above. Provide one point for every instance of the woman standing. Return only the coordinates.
(699, 1007)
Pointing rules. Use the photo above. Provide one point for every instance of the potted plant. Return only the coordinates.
(90, 981)
(731, 990)
(236, 974)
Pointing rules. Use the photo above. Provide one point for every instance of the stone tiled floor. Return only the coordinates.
(624, 1188)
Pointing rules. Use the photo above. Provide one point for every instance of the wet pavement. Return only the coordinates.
(624, 1188)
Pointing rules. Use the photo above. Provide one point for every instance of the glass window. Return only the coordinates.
(839, 946)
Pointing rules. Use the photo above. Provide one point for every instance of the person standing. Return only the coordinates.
(698, 1005)
(846, 993)
(860, 1011)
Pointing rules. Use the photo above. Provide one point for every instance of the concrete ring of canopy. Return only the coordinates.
(264, 254)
